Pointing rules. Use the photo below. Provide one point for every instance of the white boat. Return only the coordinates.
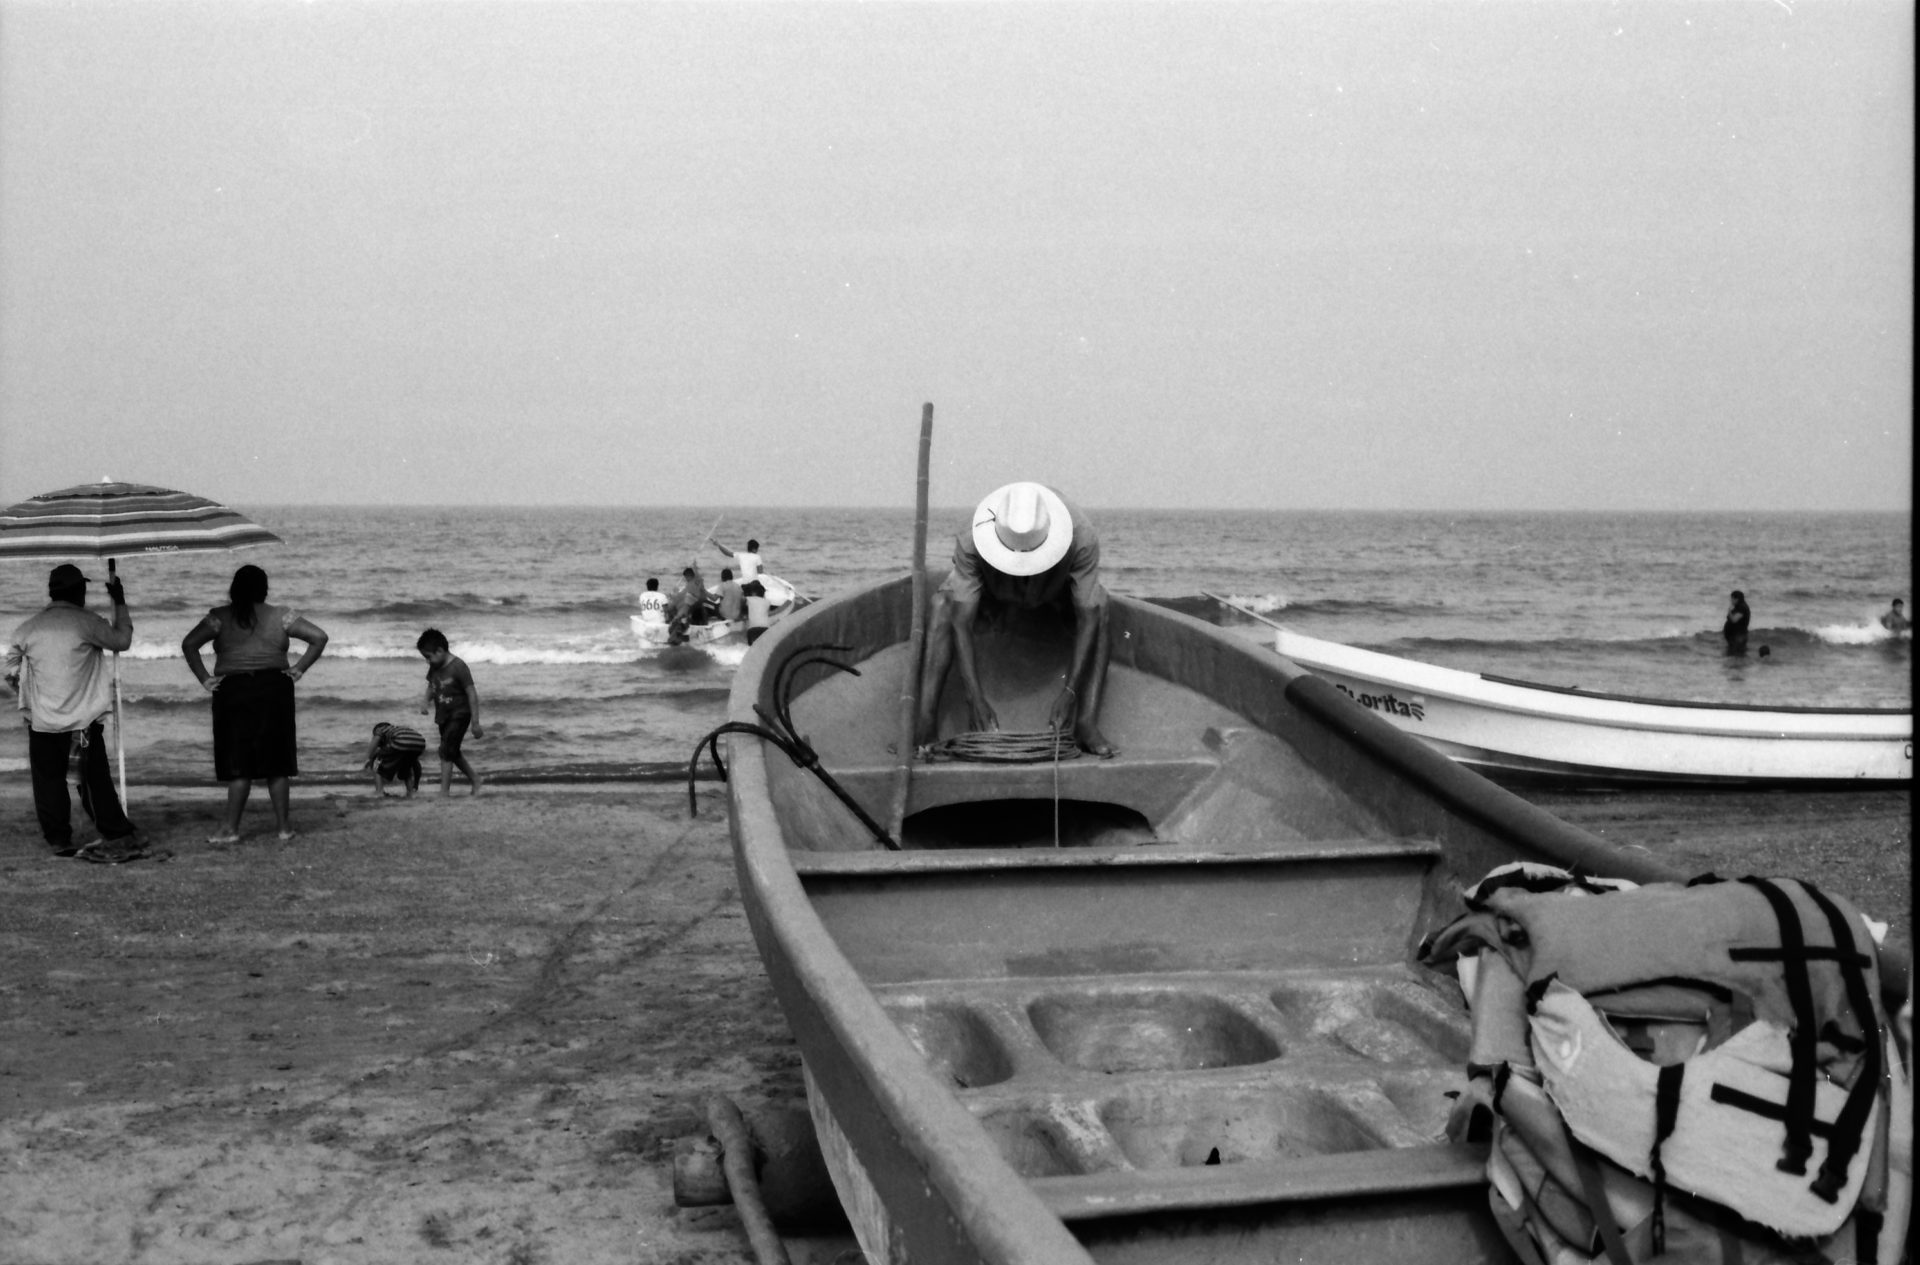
(782, 598)
(1520, 729)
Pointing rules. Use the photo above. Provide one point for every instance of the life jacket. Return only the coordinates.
(1688, 1072)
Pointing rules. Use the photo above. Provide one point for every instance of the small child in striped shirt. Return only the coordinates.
(394, 756)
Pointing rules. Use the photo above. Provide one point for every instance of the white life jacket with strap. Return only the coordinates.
(1674, 1053)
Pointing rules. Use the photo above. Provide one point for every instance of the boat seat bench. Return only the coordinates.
(1116, 1095)
(1152, 784)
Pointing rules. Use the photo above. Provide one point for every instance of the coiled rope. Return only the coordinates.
(997, 747)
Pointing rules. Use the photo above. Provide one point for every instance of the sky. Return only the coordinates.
(1325, 254)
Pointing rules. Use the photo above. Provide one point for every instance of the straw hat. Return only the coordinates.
(1022, 529)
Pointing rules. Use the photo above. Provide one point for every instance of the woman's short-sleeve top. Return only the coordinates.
(237, 649)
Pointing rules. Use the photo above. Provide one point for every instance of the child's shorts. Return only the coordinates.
(453, 730)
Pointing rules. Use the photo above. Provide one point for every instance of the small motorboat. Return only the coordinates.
(653, 631)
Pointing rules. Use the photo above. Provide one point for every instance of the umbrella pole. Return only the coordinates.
(119, 743)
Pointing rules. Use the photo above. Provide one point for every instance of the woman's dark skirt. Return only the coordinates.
(253, 726)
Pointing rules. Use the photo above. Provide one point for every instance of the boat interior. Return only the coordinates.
(1182, 978)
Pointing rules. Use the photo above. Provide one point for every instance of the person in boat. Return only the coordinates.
(1027, 549)
(691, 603)
(733, 599)
(746, 565)
(653, 603)
(1735, 627)
(1895, 620)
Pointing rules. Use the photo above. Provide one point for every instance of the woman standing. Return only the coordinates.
(252, 688)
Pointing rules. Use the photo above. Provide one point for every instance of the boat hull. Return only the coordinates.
(719, 633)
(1523, 731)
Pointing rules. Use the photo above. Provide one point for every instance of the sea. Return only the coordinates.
(537, 601)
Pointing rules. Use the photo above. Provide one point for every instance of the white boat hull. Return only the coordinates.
(1517, 729)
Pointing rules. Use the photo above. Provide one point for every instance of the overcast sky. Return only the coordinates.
(1435, 256)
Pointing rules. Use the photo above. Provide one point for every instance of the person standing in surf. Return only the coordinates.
(1028, 549)
(455, 704)
(1735, 627)
(1895, 620)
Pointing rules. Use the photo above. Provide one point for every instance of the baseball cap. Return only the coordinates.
(65, 576)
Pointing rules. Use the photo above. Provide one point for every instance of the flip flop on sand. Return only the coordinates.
(106, 853)
(222, 840)
(288, 835)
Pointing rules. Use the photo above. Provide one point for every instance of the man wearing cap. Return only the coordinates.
(54, 666)
(1029, 549)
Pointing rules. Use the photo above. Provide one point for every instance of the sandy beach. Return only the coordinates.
(471, 1029)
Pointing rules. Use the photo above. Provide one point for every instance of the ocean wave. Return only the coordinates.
(450, 608)
(1200, 606)
(1829, 637)
(1867, 634)
(560, 651)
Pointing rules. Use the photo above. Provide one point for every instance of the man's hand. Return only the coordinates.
(984, 720)
(116, 592)
(1065, 708)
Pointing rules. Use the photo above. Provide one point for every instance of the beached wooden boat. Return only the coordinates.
(1158, 1008)
(1520, 729)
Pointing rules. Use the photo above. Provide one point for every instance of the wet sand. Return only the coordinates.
(471, 1029)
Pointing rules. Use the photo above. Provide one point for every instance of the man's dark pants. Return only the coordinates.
(47, 756)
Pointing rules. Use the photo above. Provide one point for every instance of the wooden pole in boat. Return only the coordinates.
(916, 637)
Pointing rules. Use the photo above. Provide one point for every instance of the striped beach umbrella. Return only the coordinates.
(116, 520)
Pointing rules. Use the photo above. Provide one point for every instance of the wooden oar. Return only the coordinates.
(916, 637)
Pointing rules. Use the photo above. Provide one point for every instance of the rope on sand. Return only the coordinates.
(995, 747)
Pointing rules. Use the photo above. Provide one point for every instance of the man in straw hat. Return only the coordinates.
(54, 665)
(1029, 550)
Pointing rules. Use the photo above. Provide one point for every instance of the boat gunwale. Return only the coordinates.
(1145, 856)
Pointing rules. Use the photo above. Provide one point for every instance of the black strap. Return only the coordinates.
(1804, 1038)
(1866, 1235)
(1593, 1189)
(1728, 1096)
(1809, 953)
(1851, 1125)
(1666, 1110)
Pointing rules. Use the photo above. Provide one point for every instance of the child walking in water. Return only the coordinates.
(455, 705)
